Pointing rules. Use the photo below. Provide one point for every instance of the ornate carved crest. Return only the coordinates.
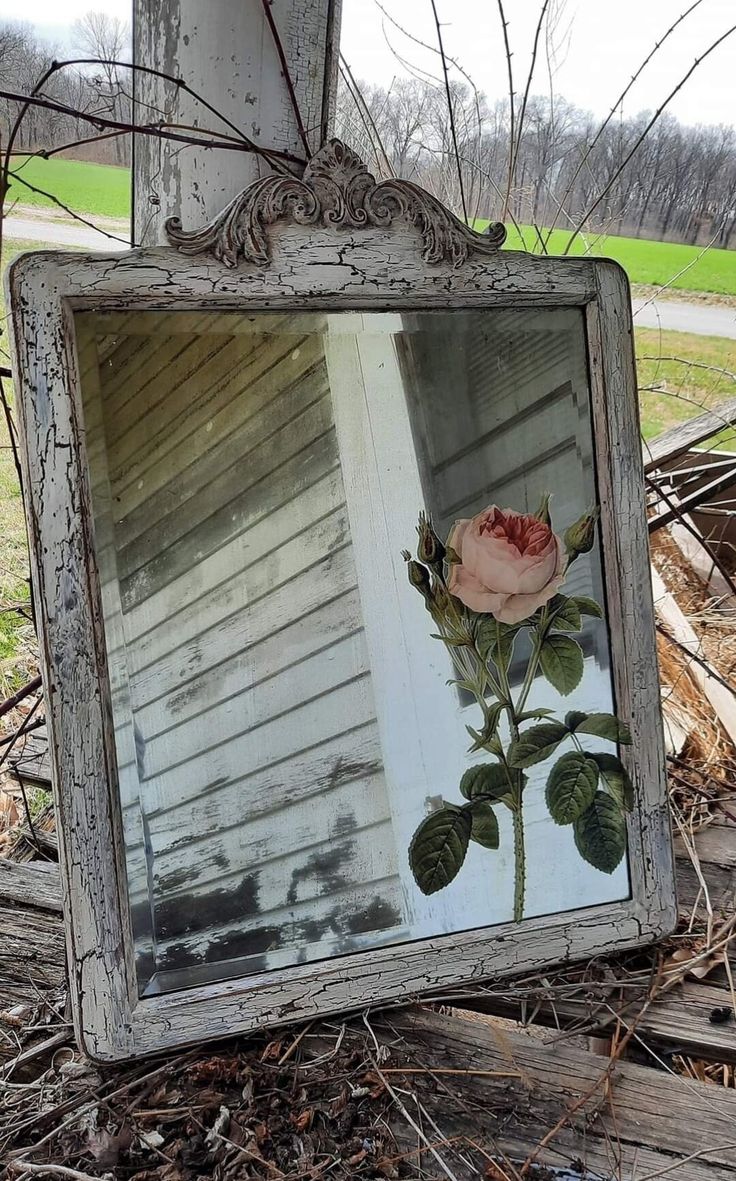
(337, 190)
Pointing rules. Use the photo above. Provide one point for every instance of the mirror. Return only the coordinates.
(284, 727)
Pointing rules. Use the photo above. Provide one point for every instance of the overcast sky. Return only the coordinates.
(608, 39)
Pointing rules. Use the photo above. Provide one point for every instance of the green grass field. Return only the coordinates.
(670, 391)
(100, 189)
(86, 188)
(655, 263)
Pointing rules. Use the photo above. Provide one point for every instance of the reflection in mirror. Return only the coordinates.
(283, 723)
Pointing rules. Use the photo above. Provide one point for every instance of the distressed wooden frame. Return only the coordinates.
(346, 262)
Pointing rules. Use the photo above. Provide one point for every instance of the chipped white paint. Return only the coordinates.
(315, 267)
(225, 52)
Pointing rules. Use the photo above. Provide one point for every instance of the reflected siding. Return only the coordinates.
(250, 769)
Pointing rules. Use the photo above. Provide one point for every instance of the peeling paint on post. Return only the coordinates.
(225, 51)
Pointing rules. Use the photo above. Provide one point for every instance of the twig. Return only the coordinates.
(677, 513)
(9, 421)
(603, 1081)
(157, 130)
(704, 664)
(53, 1171)
(507, 47)
(77, 216)
(448, 1070)
(450, 110)
(364, 112)
(694, 364)
(590, 146)
(522, 111)
(286, 75)
(640, 138)
(11, 702)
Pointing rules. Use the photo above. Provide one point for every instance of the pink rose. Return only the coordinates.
(510, 563)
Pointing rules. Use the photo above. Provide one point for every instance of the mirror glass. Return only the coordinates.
(283, 723)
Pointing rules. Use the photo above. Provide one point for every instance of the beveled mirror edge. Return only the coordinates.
(307, 262)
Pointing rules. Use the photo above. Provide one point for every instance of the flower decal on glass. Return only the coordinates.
(499, 574)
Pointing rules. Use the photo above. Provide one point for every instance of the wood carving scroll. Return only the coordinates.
(337, 190)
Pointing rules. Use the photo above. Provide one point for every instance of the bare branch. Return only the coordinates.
(450, 109)
(640, 139)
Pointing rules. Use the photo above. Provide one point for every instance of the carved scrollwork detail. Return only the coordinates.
(336, 190)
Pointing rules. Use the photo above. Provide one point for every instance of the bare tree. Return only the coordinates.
(107, 39)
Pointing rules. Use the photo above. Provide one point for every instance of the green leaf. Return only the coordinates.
(587, 606)
(451, 641)
(564, 614)
(600, 833)
(604, 726)
(571, 787)
(561, 661)
(616, 778)
(488, 780)
(574, 718)
(536, 744)
(438, 848)
(485, 738)
(484, 829)
(495, 640)
(534, 714)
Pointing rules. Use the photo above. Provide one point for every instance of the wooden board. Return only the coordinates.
(686, 435)
(35, 884)
(643, 1121)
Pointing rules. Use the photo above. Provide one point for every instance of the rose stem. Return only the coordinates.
(519, 863)
(517, 809)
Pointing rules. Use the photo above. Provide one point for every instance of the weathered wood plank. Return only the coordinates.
(31, 883)
(32, 954)
(642, 1108)
(688, 434)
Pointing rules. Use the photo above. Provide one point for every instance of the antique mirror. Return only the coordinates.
(342, 578)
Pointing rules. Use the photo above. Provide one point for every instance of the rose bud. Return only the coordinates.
(419, 577)
(579, 538)
(511, 564)
(430, 550)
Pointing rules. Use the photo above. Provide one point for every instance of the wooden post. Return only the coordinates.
(226, 51)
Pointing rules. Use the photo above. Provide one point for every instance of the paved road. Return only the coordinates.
(675, 315)
(61, 233)
(679, 316)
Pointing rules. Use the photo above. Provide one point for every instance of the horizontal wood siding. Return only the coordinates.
(254, 804)
(502, 416)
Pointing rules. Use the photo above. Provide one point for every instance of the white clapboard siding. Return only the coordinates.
(308, 724)
(254, 663)
(295, 573)
(214, 396)
(203, 502)
(258, 705)
(351, 805)
(516, 427)
(308, 873)
(338, 921)
(363, 866)
(237, 656)
(351, 757)
(300, 470)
